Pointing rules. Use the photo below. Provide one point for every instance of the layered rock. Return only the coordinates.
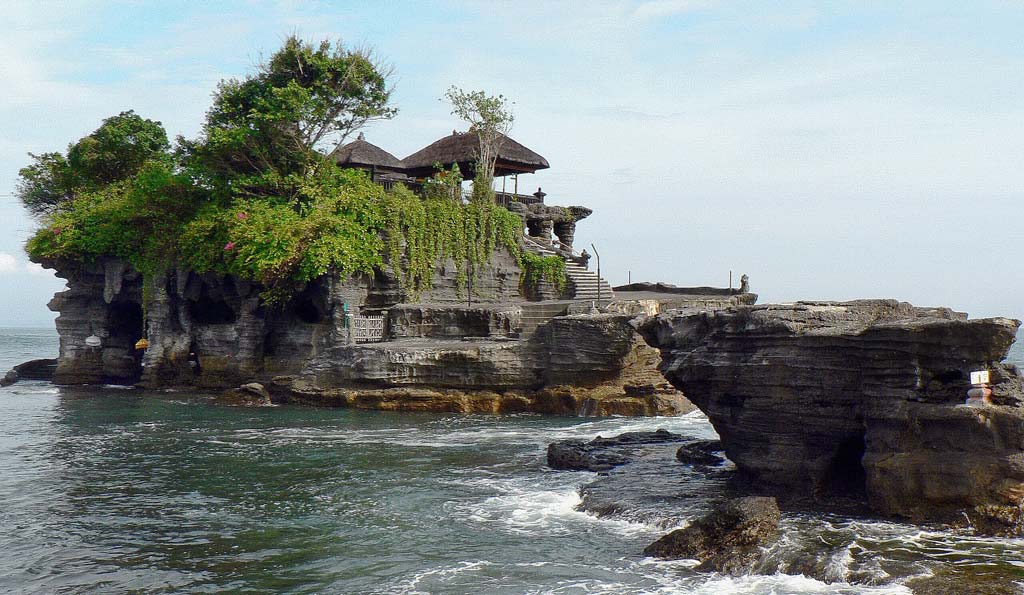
(441, 354)
(37, 369)
(858, 398)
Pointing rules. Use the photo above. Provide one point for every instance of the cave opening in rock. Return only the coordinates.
(307, 311)
(846, 475)
(208, 310)
(125, 326)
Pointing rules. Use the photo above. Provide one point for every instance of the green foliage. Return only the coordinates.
(115, 151)
(253, 198)
(422, 232)
(136, 219)
(537, 268)
(264, 130)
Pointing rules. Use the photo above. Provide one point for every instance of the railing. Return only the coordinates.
(368, 329)
(504, 199)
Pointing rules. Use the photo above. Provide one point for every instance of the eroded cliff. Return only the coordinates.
(862, 399)
(440, 353)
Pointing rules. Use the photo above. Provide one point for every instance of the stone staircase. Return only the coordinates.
(586, 284)
(583, 283)
(538, 313)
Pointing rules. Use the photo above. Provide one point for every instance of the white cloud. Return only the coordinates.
(8, 263)
(34, 268)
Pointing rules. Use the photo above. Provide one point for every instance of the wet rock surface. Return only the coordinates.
(37, 369)
(252, 394)
(703, 453)
(601, 454)
(727, 539)
(865, 397)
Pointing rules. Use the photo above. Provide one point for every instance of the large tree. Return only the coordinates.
(270, 125)
(115, 151)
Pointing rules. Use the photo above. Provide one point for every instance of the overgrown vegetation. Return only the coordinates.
(254, 197)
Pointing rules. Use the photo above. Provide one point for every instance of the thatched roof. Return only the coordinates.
(360, 153)
(462, 148)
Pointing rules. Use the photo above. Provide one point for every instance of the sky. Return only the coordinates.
(829, 150)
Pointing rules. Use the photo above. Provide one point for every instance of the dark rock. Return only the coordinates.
(601, 454)
(864, 397)
(252, 394)
(37, 369)
(726, 540)
(703, 453)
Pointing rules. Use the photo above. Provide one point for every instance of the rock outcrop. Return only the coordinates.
(252, 394)
(37, 369)
(440, 354)
(601, 454)
(728, 539)
(860, 398)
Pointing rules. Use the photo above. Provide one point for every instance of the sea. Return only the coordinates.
(114, 490)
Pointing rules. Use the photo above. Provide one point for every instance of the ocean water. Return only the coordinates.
(108, 490)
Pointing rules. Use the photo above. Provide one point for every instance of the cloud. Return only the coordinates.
(36, 269)
(8, 263)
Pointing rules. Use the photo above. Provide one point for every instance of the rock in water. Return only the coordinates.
(861, 397)
(701, 453)
(37, 369)
(727, 539)
(601, 454)
(252, 394)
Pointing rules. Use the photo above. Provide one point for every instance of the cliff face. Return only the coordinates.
(214, 332)
(858, 399)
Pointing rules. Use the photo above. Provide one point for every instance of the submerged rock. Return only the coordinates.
(727, 539)
(37, 369)
(858, 398)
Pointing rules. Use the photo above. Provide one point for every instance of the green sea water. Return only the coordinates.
(111, 490)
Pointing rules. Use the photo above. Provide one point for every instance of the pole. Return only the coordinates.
(730, 280)
(598, 256)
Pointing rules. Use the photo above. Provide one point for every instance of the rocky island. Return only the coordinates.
(253, 262)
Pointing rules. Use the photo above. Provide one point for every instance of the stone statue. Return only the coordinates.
(744, 284)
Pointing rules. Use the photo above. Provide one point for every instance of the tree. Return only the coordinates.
(270, 125)
(115, 151)
(490, 117)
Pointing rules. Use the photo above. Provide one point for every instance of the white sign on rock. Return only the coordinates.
(979, 377)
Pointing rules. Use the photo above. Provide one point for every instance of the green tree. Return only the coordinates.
(115, 151)
(265, 130)
(490, 117)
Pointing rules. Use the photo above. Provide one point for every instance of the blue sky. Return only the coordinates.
(830, 150)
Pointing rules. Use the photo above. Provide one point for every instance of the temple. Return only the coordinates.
(549, 229)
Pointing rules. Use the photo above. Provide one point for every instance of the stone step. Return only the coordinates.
(536, 314)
